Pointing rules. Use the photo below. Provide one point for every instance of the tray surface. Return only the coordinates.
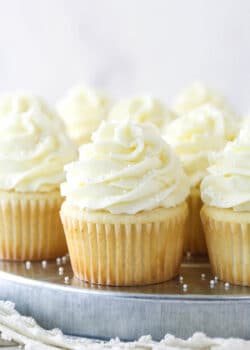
(195, 281)
(50, 293)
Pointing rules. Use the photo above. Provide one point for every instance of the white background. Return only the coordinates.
(126, 46)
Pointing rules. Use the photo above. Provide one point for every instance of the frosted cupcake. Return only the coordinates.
(194, 137)
(226, 213)
(143, 109)
(82, 111)
(125, 210)
(198, 95)
(33, 151)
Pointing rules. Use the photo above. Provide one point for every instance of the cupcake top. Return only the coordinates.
(142, 109)
(82, 110)
(33, 145)
(197, 134)
(198, 95)
(126, 169)
(227, 184)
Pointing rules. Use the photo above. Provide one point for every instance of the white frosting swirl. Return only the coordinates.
(82, 111)
(197, 134)
(227, 184)
(127, 168)
(33, 145)
(142, 109)
(198, 95)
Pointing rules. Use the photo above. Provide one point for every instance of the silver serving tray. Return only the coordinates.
(190, 303)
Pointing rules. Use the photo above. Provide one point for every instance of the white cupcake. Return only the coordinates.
(195, 136)
(125, 211)
(33, 150)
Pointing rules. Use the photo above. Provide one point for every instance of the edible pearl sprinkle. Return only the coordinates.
(216, 279)
(58, 261)
(44, 264)
(203, 276)
(181, 279)
(212, 284)
(66, 279)
(28, 265)
(227, 285)
(185, 287)
(64, 259)
(60, 270)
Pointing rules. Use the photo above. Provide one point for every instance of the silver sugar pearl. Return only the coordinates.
(216, 279)
(203, 276)
(185, 287)
(64, 259)
(212, 284)
(58, 261)
(227, 285)
(28, 265)
(60, 270)
(44, 264)
(181, 279)
(66, 279)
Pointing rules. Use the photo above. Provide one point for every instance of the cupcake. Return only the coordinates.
(226, 213)
(82, 111)
(195, 136)
(198, 95)
(33, 151)
(125, 210)
(142, 109)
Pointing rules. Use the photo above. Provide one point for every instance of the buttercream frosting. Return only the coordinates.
(197, 95)
(142, 109)
(227, 184)
(197, 134)
(127, 168)
(82, 110)
(33, 145)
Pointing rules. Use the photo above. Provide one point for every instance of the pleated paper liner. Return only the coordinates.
(125, 250)
(30, 226)
(195, 242)
(228, 240)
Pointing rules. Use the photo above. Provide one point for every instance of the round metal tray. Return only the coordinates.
(189, 303)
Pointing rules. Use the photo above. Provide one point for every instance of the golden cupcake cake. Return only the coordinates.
(195, 136)
(143, 109)
(197, 95)
(226, 213)
(33, 150)
(125, 210)
(82, 110)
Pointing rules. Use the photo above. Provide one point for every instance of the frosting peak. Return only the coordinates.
(82, 111)
(227, 184)
(33, 145)
(127, 168)
(197, 95)
(142, 109)
(199, 133)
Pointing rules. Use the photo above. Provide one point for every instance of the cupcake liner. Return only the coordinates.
(30, 227)
(228, 244)
(116, 253)
(195, 242)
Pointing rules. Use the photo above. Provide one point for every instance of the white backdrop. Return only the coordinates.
(126, 46)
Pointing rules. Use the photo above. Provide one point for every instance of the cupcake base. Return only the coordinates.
(30, 227)
(228, 240)
(125, 250)
(195, 242)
